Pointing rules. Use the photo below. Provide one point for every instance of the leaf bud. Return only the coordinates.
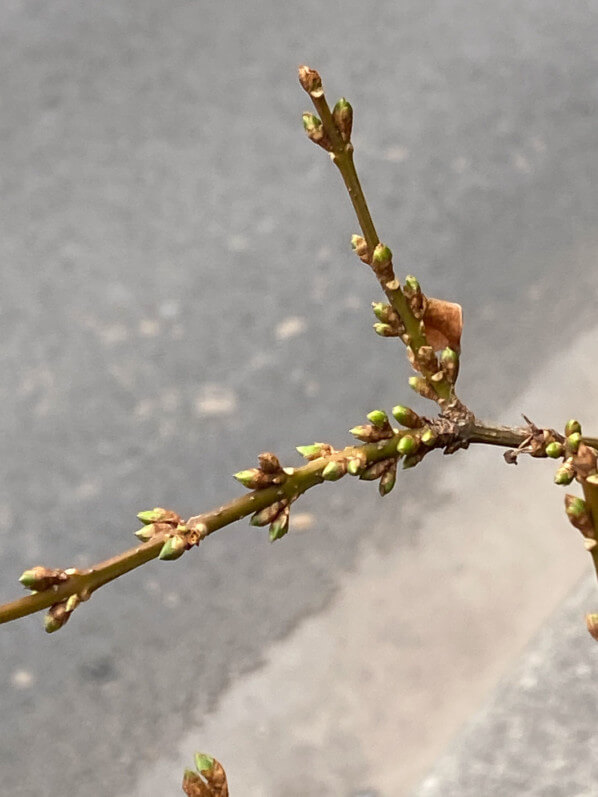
(382, 256)
(411, 284)
(310, 79)
(411, 460)
(383, 312)
(554, 450)
(56, 617)
(158, 515)
(449, 360)
(565, 474)
(388, 480)
(173, 548)
(360, 247)
(579, 515)
(379, 418)
(268, 514)
(354, 465)
(428, 437)
(422, 387)
(385, 330)
(407, 445)
(573, 441)
(315, 131)
(311, 452)
(407, 417)
(269, 462)
(41, 578)
(572, 426)
(342, 114)
(252, 478)
(334, 471)
(280, 526)
(375, 470)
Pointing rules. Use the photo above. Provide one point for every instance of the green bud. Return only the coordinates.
(407, 445)
(250, 478)
(554, 450)
(575, 506)
(41, 578)
(56, 617)
(311, 122)
(357, 241)
(71, 603)
(334, 471)
(310, 452)
(407, 417)
(173, 548)
(564, 475)
(383, 312)
(411, 460)
(422, 387)
(378, 417)
(449, 360)
(387, 481)
(342, 114)
(280, 526)
(428, 437)
(572, 426)
(363, 433)
(573, 441)
(412, 284)
(157, 515)
(382, 255)
(145, 533)
(203, 762)
(385, 330)
(354, 465)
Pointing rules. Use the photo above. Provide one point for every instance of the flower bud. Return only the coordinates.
(280, 526)
(252, 478)
(379, 418)
(385, 330)
(388, 480)
(579, 515)
(411, 284)
(428, 437)
(573, 441)
(334, 471)
(449, 360)
(422, 387)
(41, 578)
(376, 470)
(354, 465)
(311, 452)
(571, 427)
(360, 247)
(268, 514)
(554, 450)
(382, 256)
(407, 417)
(315, 131)
(407, 445)
(383, 312)
(173, 548)
(565, 474)
(158, 515)
(56, 617)
(310, 79)
(342, 114)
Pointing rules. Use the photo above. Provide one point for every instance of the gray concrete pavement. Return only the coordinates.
(178, 295)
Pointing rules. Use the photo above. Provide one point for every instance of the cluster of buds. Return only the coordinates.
(179, 536)
(44, 579)
(270, 472)
(342, 113)
(378, 429)
(389, 324)
(275, 515)
(209, 779)
(580, 461)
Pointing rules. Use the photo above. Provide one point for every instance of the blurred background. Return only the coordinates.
(178, 294)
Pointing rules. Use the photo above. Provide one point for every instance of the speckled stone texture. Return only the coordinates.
(537, 735)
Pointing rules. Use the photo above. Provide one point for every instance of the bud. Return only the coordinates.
(422, 387)
(311, 452)
(269, 462)
(579, 515)
(41, 578)
(565, 474)
(379, 418)
(366, 434)
(573, 441)
(411, 285)
(428, 437)
(385, 330)
(158, 515)
(376, 470)
(268, 514)
(407, 417)
(449, 360)
(315, 131)
(554, 450)
(252, 478)
(280, 526)
(56, 617)
(354, 465)
(572, 427)
(342, 114)
(334, 471)
(382, 256)
(203, 761)
(411, 460)
(310, 79)
(407, 445)
(383, 312)
(592, 624)
(360, 247)
(388, 480)
(173, 548)
(145, 533)
(71, 603)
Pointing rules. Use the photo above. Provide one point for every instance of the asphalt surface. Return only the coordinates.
(178, 295)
